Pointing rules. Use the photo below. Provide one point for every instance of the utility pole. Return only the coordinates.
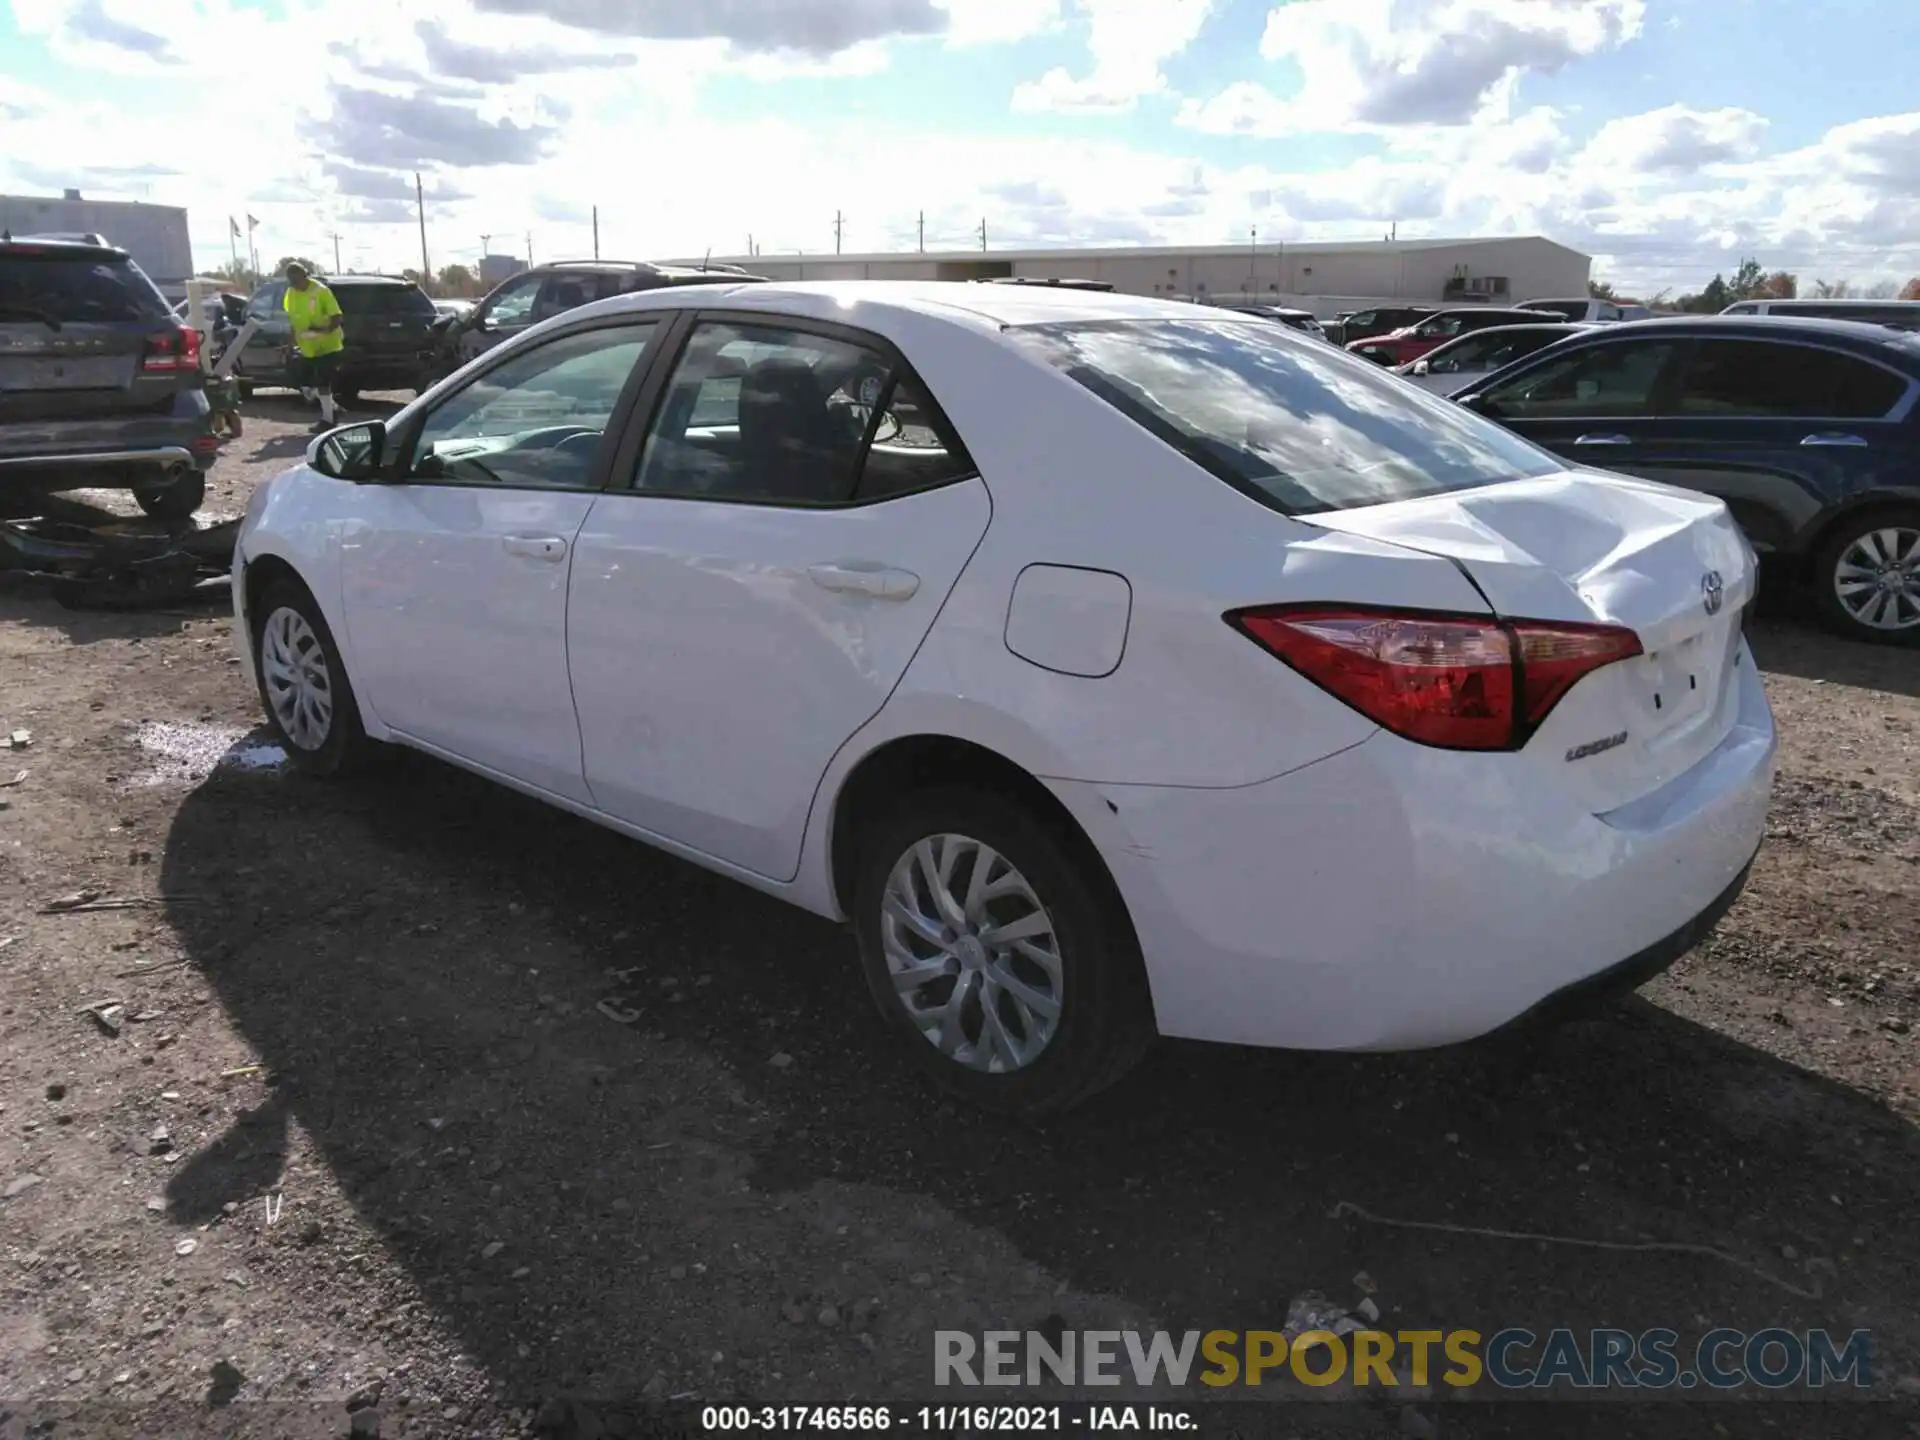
(483, 245)
(420, 199)
(1253, 260)
(596, 232)
(923, 232)
(529, 249)
(838, 221)
(334, 235)
(983, 233)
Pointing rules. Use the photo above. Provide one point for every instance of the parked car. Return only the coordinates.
(1352, 736)
(1590, 309)
(1410, 342)
(1808, 429)
(101, 384)
(1899, 314)
(526, 299)
(1302, 320)
(1351, 325)
(1468, 359)
(389, 333)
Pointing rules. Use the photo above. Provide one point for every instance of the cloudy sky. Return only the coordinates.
(1666, 137)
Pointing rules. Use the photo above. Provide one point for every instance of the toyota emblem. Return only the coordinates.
(1713, 591)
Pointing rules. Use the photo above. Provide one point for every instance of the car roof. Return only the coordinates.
(1861, 335)
(59, 249)
(334, 282)
(858, 302)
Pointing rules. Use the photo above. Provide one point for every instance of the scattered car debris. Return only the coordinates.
(1310, 1312)
(19, 779)
(618, 1013)
(106, 1014)
(19, 740)
(70, 902)
(119, 563)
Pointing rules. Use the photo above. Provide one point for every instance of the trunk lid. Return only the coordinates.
(1577, 546)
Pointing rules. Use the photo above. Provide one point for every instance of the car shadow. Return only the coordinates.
(418, 961)
(1787, 645)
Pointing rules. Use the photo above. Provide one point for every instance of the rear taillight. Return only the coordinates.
(1459, 682)
(172, 350)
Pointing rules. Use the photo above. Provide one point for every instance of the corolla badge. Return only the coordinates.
(1713, 591)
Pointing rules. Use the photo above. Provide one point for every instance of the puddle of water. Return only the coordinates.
(185, 752)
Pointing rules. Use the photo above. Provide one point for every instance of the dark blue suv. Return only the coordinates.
(1808, 429)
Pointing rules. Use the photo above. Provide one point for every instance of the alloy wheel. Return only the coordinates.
(972, 954)
(1877, 578)
(293, 669)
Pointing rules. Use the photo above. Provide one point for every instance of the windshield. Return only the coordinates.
(1295, 424)
(383, 300)
(79, 290)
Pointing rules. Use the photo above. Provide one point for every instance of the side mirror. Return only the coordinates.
(349, 452)
(1475, 402)
(1420, 367)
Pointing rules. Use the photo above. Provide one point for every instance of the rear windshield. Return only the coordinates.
(1295, 424)
(77, 291)
(383, 300)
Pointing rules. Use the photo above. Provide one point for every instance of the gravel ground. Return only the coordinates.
(360, 1140)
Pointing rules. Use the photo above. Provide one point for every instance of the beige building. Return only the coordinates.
(154, 235)
(1323, 276)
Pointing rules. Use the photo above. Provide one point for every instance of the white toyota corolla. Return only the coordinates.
(1116, 667)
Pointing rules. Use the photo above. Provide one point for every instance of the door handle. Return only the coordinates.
(1835, 438)
(1603, 440)
(535, 547)
(864, 577)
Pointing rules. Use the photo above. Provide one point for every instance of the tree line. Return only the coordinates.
(1752, 281)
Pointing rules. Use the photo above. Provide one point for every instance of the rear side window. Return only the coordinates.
(79, 291)
(1616, 381)
(1761, 378)
(383, 300)
(1294, 424)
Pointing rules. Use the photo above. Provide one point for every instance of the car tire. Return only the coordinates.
(1102, 1020)
(1845, 581)
(317, 724)
(174, 499)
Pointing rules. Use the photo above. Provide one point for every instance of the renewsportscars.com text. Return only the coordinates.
(1511, 1359)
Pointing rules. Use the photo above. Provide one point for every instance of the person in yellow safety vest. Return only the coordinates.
(317, 337)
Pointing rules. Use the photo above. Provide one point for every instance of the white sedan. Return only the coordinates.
(1114, 668)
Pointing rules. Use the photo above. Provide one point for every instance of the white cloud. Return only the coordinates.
(993, 22)
(1129, 40)
(1369, 64)
(1675, 140)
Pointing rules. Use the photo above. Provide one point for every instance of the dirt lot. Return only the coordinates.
(365, 1136)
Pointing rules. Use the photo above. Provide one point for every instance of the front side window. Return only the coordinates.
(763, 414)
(513, 305)
(1762, 378)
(1615, 381)
(1463, 356)
(385, 301)
(536, 420)
(1296, 425)
(566, 291)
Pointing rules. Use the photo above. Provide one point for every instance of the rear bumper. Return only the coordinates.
(1395, 897)
(54, 466)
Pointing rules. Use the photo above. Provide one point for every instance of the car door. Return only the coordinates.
(772, 550)
(1592, 405)
(1781, 429)
(454, 570)
(264, 361)
(501, 316)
